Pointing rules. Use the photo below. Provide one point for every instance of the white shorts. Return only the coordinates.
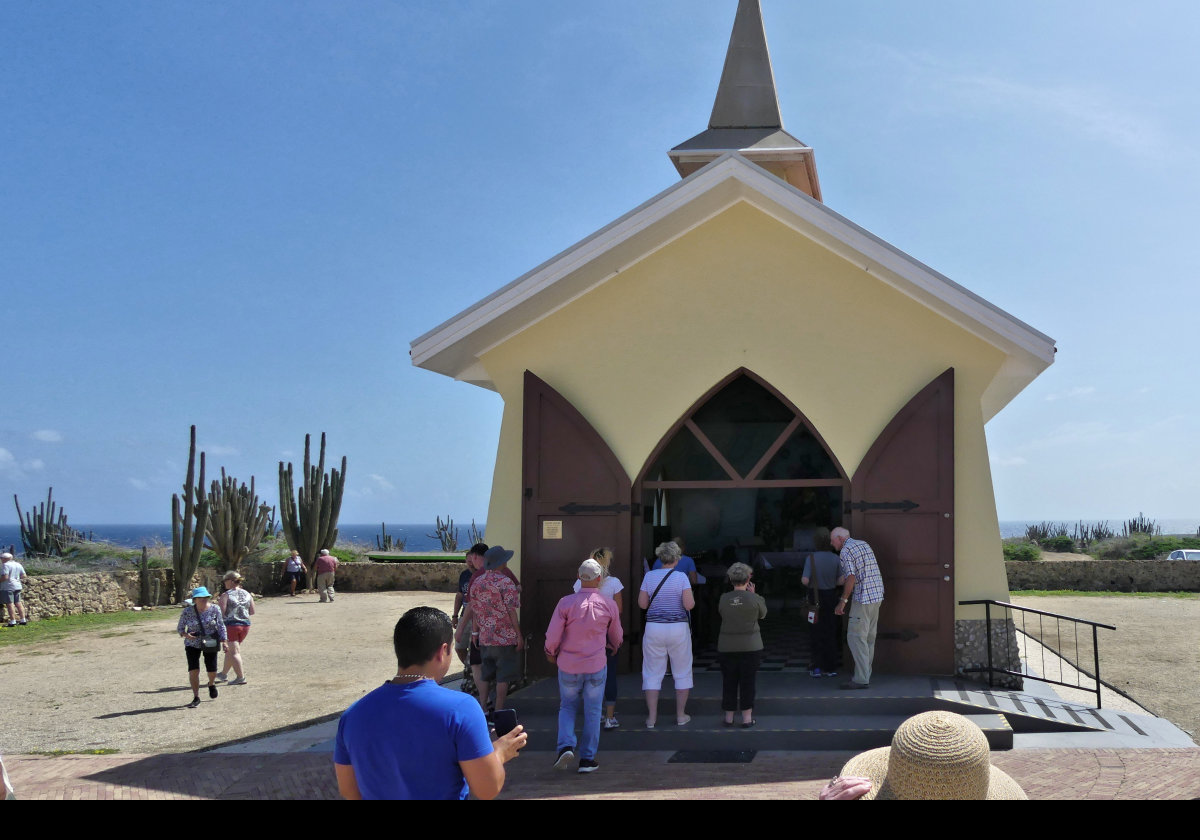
(660, 643)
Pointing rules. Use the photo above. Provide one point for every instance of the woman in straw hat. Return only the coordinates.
(934, 755)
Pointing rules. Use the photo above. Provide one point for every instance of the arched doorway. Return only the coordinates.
(742, 470)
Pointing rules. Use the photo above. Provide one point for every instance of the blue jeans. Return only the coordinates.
(571, 687)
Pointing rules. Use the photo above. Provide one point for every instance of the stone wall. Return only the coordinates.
(1105, 575)
(48, 596)
(970, 650)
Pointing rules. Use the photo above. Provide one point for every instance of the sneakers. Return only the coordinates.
(683, 721)
(610, 723)
(11, 624)
(212, 692)
(23, 621)
(814, 672)
(238, 681)
(195, 702)
(565, 756)
(831, 673)
(588, 765)
(854, 686)
(222, 676)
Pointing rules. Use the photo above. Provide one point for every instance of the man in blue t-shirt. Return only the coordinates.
(413, 739)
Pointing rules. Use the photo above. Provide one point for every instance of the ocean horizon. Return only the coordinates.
(135, 536)
(418, 537)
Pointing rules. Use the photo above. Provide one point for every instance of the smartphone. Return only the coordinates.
(505, 721)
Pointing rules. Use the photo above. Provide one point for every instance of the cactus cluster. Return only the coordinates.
(237, 520)
(44, 529)
(188, 525)
(446, 534)
(386, 542)
(310, 521)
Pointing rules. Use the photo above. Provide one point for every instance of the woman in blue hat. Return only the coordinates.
(203, 632)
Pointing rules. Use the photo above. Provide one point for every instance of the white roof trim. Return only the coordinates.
(454, 347)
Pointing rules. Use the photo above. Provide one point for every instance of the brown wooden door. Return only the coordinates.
(576, 498)
(902, 503)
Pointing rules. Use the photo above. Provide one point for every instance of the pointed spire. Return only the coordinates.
(745, 117)
(746, 97)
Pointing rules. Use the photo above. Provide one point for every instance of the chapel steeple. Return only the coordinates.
(745, 117)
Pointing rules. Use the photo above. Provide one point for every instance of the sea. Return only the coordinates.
(418, 536)
(135, 536)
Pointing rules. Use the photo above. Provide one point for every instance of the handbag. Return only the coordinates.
(207, 640)
(814, 602)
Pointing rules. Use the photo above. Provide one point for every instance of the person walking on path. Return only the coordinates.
(203, 631)
(237, 605)
(740, 645)
(326, 568)
(413, 739)
(611, 588)
(820, 575)
(12, 583)
(666, 595)
(294, 571)
(583, 627)
(864, 584)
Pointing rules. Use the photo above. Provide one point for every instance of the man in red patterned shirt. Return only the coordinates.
(494, 601)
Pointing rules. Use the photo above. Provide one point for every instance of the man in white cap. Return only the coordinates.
(12, 580)
(584, 626)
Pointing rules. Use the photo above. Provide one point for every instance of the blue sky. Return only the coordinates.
(239, 215)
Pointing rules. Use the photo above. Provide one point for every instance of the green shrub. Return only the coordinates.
(1024, 551)
(1059, 543)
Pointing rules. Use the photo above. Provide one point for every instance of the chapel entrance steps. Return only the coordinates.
(796, 712)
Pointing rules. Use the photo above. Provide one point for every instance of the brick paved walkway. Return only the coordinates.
(1045, 774)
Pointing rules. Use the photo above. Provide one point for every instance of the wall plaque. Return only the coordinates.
(552, 529)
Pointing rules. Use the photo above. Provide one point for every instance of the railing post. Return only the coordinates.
(1096, 654)
(987, 628)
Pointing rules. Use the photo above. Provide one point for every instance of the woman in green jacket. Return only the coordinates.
(740, 644)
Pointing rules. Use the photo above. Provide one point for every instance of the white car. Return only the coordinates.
(1185, 554)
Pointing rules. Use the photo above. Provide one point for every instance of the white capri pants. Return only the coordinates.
(666, 641)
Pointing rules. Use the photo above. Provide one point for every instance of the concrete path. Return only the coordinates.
(1045, 774)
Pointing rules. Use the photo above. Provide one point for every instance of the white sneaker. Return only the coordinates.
(238, 681)
(611, 723)
(222, 676)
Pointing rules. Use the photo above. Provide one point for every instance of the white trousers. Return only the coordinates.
(660, 643)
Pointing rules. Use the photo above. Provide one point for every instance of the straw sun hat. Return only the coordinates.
(935, 755)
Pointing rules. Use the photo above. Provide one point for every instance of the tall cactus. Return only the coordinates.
(237, 520)
(43, 534)
(188, 525)
(310, 523)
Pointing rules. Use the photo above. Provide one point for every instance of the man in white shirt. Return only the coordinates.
(12, 580)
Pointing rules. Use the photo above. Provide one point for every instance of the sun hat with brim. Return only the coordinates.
(496, 557)
(201, 592)
(934, 755)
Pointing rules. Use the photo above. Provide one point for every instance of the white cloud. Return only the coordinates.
(8, 464)
(35, 465)
(47, 436)
(139, 484)
(1008, 461)
(381, 482)
(221, 450)
(1074, 393)
(1095, 114)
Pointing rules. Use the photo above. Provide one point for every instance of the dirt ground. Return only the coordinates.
(1153, 655)
(125, 688)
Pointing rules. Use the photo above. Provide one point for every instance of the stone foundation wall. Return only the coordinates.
(1105, 575)
(970, 650)
(49, 596)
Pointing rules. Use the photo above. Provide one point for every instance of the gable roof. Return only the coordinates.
(454, 347)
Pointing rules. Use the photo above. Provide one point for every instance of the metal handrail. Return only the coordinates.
(992, 670)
